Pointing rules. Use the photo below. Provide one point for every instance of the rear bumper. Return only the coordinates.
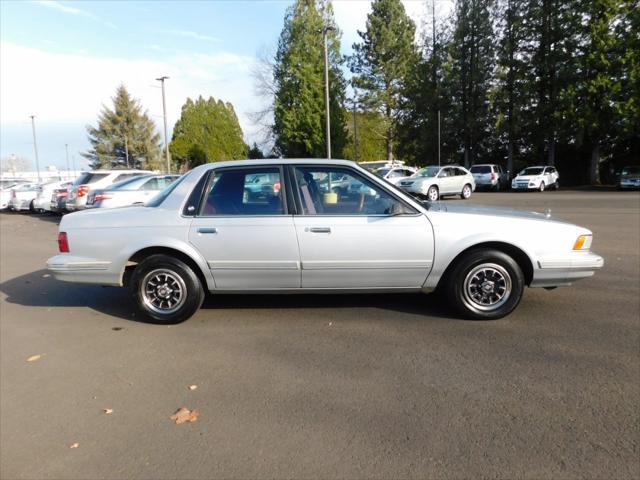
(69, 268)
(556, 272)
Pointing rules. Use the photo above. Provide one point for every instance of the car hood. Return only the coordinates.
(527, 177)
(488, 210)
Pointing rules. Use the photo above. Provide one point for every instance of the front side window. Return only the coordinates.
(338, 191)
(245, 191)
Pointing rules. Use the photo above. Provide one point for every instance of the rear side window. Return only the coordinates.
(244, 191)
(460, 172)
(88, 178)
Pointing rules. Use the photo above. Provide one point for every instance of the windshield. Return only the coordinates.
(532, 171)
(382, 171)
(480, 169)
(130, 183)
(631, 171)
(427, 172)
(89, 177)
(160, 197)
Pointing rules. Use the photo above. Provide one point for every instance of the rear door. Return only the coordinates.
(364, 238)
(245, 232)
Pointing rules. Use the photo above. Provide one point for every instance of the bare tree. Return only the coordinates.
(13, 163)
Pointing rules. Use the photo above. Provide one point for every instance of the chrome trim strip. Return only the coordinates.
(366, 264)
(253, 265)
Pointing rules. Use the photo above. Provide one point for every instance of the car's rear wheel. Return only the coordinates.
(466, 192)
(485, 285)
(433, 194)
(541, 188)
(165, 289)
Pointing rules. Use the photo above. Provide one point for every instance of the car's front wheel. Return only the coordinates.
(433, 194)
(541, 188)
(165, 289)
(485, 285)
(466, 192)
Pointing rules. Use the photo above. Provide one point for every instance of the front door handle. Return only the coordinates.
(320, 230)
(213, 230)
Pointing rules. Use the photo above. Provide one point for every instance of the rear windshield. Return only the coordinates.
(631, 171)
(481, 169)
(160, 197)
(532, 171)
(89, 177)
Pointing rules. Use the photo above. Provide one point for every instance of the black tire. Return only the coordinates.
(180, 284)
(463, 281)
(32, 207)
(466, 188)
(433, 194)
(556, 186)
(541, 188)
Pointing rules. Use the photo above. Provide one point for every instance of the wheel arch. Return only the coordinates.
(519, 256)
(145, 252)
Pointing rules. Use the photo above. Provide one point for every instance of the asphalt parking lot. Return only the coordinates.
(326, 386)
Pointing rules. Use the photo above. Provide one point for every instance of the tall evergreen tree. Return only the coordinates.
(299, 103)
(371, 133)
(124, 137)
(207, 131)
(382, 61)
(470, 74)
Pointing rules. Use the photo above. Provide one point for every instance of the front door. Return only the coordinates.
(361, 237)
(244, 232)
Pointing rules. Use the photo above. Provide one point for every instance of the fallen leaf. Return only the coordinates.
(193, 387)
(75, 445)
(34, 358)
(185, 415)
(107, 411)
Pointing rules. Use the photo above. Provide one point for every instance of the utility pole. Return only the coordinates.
(126, 148)
(326, 87)
(66, 148)
(438, 137)
(355, 132)
(164, 114)
(35, 144)
(73, 158)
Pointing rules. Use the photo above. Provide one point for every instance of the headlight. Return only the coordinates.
(583, 242)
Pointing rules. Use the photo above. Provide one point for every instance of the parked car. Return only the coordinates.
(204, 234)
(629, 177)
(96, 179)
(42, 201)
(434, 182)
(130, 191)
(22, 197)
(536, 178)
(395, 174)
(5, 191)
(490, 176)
(58, 203)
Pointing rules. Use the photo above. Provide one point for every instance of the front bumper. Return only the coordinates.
(19, 205)
(557, 272)
(69, 268)
(630, 183)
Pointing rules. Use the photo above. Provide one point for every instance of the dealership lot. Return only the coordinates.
(326, 386)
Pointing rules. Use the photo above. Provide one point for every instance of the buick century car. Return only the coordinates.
(307, 233)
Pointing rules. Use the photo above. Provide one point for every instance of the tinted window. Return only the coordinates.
(631, 171)
(337, 191)
(88, 177)
(247, 191)
(481, 169)
(459, 171)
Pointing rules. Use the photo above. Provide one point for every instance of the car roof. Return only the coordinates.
(118, 171)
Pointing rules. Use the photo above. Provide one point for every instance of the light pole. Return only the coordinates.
(325, 30)
(35, 144)
(355, 131)
(438, 137)
(164, 114)
(66, 148)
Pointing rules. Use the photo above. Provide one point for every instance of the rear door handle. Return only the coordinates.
(320, 230)
(213, 230)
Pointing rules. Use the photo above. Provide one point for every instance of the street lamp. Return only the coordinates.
(325, 30)
(164, 114)
(35, 144)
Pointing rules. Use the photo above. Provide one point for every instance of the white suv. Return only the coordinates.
(536, 178)
(87, 181)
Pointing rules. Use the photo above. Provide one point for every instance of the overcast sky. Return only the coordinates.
(61, 61)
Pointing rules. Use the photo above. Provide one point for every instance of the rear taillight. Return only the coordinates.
(101, 196)
(82, 190)
(63, 243)
(13, 194)
(61, 194)
(494, 176)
